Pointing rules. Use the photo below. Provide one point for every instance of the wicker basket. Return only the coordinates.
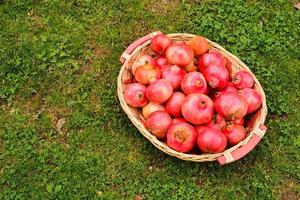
(254, 134)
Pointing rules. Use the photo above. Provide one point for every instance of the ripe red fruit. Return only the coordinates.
(180, 54)
(177, 120)
(135, 95)
(199, 128)
(173, 105)
(239, 121)
(159, 91)
(222, 122)
(211, 140)
(211, 58)
(231, 106)
(158, 123)
(199, 45)
(243, 79)
(152, 107)
(181, 137)
(253, 99)
(146, 74)
(217, 76)
(142, 60)
(174, 74)
(197, 109)
(164, 67)
(228, 88)
(213, 124)
(234, 133)
(194, 82)
(160, 43)
(161, 60)
(190, 67)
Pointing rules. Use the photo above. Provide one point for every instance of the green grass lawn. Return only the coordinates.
(59, 61)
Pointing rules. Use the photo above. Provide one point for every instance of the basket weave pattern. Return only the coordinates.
(254, 134)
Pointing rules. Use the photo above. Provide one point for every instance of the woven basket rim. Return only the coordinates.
(236, 63)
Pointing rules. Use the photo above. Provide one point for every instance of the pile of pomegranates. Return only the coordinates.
(190, 96)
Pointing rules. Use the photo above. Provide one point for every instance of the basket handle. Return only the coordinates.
(236, 154)
(126, 54)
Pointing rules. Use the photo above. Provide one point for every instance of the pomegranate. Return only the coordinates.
(174, 74)
(181, 137)
(135, 95)
(222, 121)
(194, 82)
(231, 106)
(228, 88)
(234, 133)
(216, 76)
(142, 60)
(179, 119)
(160, 43)
(180, 54)
(199, 45)
(158, 123)
(199, 128)
(146, 74)
(243, 79)
(159, 91)
(240, 121)
(211, 140)
(152, 107)
(164, 67)
(173, 105)
(190, 67)
(211, 58)
(253, 99)
(197, 109)
(161, 60)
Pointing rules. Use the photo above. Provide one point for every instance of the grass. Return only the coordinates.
(59, 59)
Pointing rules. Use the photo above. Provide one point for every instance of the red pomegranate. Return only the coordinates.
(234, 133)
(161, 60)
(180, 54)
(173, 105)
(217, 76)
(181, 137)
(152, 107)
(253, 99)
(197, 109)
(159, 91)
(211, 140)
(174, 74)
(228, 88)
(160, 43)
(222, 121)
(199, 45)
(135, 95)
(179, 119)
(146, 74)
(231, 106)
(158, 123)
(142, 60)
(190, 67)
(243, 79)
(194, 82)
(211, 58)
